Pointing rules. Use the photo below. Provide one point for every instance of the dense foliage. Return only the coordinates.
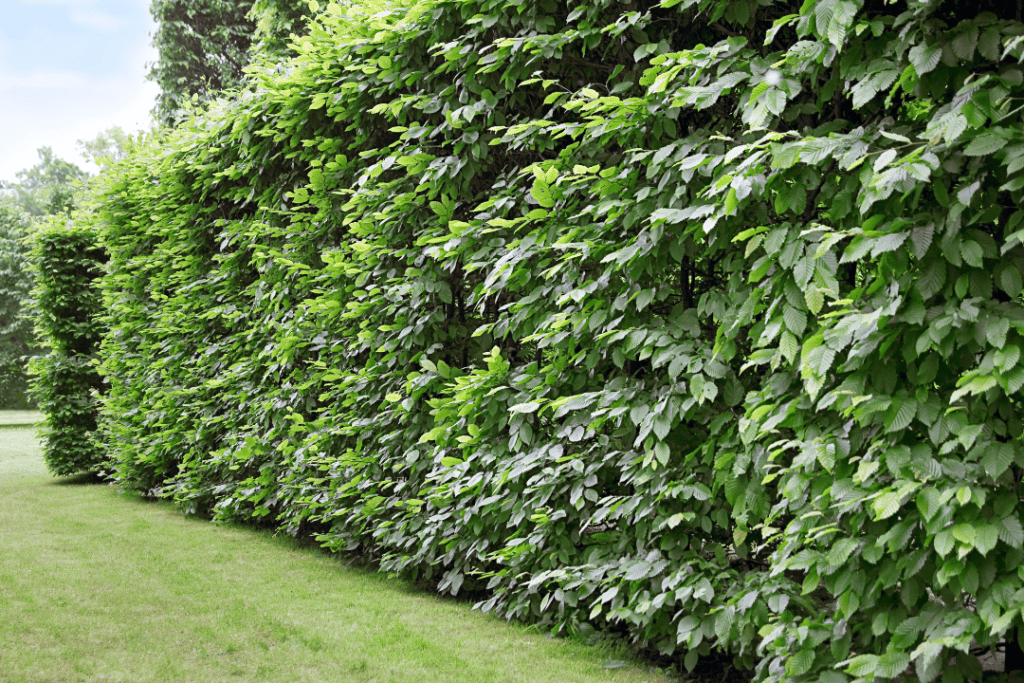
(696, 319)
(17, 341)
(48, 188)
(203, 45)
(67, 262)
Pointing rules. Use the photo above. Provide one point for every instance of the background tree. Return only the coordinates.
(109, 147)
(48, 188)
(204, 45)
(17, 341)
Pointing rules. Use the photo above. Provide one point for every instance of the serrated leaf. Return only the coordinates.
(892, 664)
(1011, 532)
(928, 502)
(862, 665)
(638, 571)
(889, 242)
(815, 299)
(965, 533)
(964, 43)
(1012, 380)
(954, 128)
(988, 535)
(788, 346)
(800, 663)
(925, 58)
(972, 253)
(996, 331)
(1007, 357)
(997, 457)
(841, 551)
(922, 239)
(899, 414)
(985, 144)
(1010, 280)
(795, 319)
(927, 661)
(886, 505)
(1004, 621)
(944, 542)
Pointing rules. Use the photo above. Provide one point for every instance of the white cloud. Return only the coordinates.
(97, 19)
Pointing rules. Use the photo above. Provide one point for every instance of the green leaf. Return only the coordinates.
(985, 144)
(899, 414)
(795, 319)
(731, 201)
(638, 571)
(541, 192)
(892, 664)
(997, 457)
(944, 542)
(800, 663)
(1011, 532)
(815, 299)
(1010, 280)
(988, 536)
(788, 346)
(925, 58)
(841, 551)
(965, 533)
(972, 253)
(862, 665)
(996, 332)
(886, 505)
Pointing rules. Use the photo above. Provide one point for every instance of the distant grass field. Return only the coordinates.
(100, 586)
(20, 417)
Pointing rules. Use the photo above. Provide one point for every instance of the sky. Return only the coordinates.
(70, 69)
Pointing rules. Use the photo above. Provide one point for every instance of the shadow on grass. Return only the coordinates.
(80, 479)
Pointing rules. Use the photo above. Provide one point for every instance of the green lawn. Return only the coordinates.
(99, 586)
(20, 417)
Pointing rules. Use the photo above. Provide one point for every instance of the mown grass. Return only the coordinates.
(101, 586)
(20, 417)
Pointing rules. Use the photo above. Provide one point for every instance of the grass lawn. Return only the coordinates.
(100, 586)
(19, 417)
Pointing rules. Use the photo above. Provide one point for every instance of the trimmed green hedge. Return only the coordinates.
(67, 262)
(697, 320)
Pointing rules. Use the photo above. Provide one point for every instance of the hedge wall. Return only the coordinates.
(67, 261)
(698, 320)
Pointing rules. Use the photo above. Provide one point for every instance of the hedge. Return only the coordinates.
(699, 321)
(67, 262)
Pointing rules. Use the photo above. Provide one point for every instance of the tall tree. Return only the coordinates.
(49, 187)
(17, 340)
(108, 147)
(204, 45)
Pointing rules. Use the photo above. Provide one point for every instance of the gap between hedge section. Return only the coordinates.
(95, 585)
